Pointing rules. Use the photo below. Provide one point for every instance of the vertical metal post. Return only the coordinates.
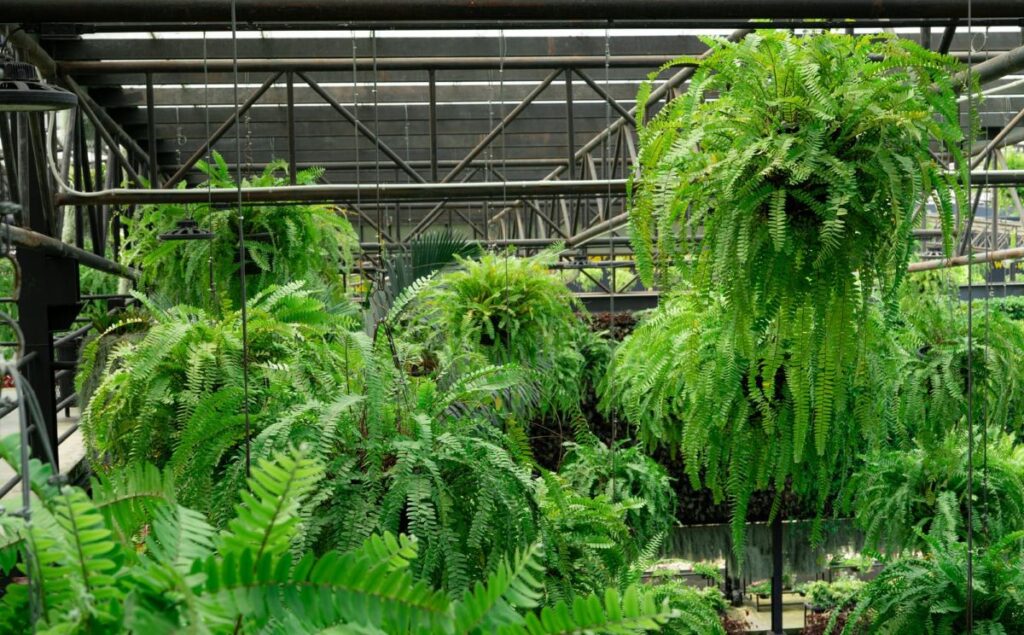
(10, 155)
(777, 575)
(40, 289)
(154, 166)
(290, 91)
(569, 125)
(433, 125)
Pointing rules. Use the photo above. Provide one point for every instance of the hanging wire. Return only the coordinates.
(241, 246)
(613, 318)
(970, 340)
(209, 182)
(376, 130)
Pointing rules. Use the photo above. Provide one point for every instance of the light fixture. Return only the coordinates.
(22, 90)
(187, 229)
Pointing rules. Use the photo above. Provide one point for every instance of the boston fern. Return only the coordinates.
(802, 165)
(678, 380)
(927, 593)
(898, 496)
(502, 309)
(284, 243)
(93, 572)
(173, 393)
(933, 382)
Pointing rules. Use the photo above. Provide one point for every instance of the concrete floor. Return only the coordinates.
(69, 454)
(761, 622)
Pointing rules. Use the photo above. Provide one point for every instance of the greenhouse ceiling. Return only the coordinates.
(511, 121)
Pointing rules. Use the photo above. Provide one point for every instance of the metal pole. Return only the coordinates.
(154, 164)
(570, 141)
(777, 575)
(290, 110)
(962, 261)
(33, 240)
(432, 76)
(10, 156)
(947, 36)
(361, 127)
(222, 130)
(994, 143)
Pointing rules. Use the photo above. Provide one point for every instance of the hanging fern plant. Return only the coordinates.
(284, 242)
(805, 174)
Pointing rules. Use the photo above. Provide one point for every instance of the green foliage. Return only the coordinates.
(624, 474)
(173, 394)
(426, 255)
(804, 178)
(698, 609)
(927, 593)
(833, 595)
(285, 243)
(736, 421)
(710, 572)
(506, 310)
(933, 382)
(899, 496)
(1011, 306)
(85, 578)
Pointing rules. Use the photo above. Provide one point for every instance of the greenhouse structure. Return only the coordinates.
(700, 317)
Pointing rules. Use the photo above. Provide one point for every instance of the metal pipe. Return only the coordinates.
(947, 36)
(222, 130)
(406, 191)
(432, 97)
(56, 11)
(847, 25)
(996, 140)
(963, 261)
(528, 243)
(361, 127)
(154, 165)
(351, 192)
(290, 110)
(29, 239)
(995, 68)
(257, 65)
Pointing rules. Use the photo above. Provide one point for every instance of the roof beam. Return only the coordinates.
(398, 11)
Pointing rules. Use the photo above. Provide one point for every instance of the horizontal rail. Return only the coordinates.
(440, 63)
(456, 11)
(378, 192)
